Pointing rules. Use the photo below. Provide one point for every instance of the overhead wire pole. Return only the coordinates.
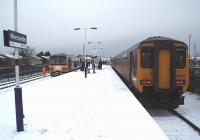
(85, 47)
(94, 46)
(189, 44)
(18, 89)
(195, 50)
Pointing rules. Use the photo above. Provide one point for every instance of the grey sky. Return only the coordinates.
(49, 24)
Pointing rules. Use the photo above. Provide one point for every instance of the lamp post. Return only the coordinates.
(102, 52)
(84, 47)
(99, 42)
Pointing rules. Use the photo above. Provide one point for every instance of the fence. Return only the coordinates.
(8, 73)
(194, 84)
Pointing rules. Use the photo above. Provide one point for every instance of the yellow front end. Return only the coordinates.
(164, 82)
(58, 68)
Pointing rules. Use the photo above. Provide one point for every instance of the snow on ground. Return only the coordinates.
(71, 107)
(173, 127)
(191, 108)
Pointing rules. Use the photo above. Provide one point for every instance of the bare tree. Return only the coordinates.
(29, 52)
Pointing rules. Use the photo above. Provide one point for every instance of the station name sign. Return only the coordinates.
(14, 39)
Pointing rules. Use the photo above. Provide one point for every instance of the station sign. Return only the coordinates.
(14, 39)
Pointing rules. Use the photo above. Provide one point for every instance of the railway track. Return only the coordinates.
(25, 80)
(22, 81)
(190, 123)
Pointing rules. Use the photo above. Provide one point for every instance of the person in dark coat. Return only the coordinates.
(100, 64)
(82, 66)
(87, 66)
(93, 65)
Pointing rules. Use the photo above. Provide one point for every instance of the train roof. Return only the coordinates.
(63, 54)
(59, 54)
(157, 38)
(160, 38)
(151, 39)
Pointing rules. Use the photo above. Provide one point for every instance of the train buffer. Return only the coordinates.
(71, 106)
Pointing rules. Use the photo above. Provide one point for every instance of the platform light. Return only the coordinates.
(77, 28)
(93, 28)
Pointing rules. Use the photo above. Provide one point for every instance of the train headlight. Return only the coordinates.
(145, 82)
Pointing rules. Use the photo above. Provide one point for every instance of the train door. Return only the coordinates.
(164, 68)
(133, 66)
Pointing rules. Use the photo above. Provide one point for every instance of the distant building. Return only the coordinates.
(195, 61)
(2, 60)
(8, 60)
(45, 60)
(34, 60)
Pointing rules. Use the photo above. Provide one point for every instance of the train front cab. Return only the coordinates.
(58, 65)
(162, 72)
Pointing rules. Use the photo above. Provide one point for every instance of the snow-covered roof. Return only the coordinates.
(11, 56)
(89, 58)
(1, 56)
(46, 57)
(197, 58)
(35, 57)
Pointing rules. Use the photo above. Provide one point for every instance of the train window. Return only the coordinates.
(180, 58)
(58, 60)
(147, 57)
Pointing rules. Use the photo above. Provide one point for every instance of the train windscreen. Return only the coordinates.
(147, 57)
(180, 58)
(58, 60)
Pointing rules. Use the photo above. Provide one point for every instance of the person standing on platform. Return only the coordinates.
(100, 64)
(93, 65)
(43, 71)
(82, 66)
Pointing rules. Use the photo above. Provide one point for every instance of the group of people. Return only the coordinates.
(85, 65)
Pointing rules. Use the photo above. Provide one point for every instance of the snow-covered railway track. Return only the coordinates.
(25, 80)
(174, 127)
(12, 83)
(190, 123)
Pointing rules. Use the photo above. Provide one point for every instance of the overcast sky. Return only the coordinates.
(121, 24)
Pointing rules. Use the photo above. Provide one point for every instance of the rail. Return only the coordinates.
(195, 127)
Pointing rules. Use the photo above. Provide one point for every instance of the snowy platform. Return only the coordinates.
(72, 107)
